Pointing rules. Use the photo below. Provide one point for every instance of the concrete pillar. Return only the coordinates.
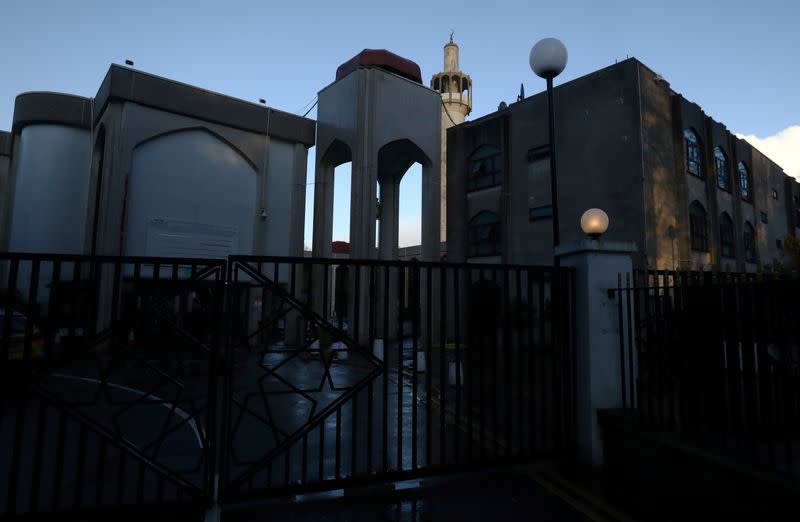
(597, 264)
(323, 210)
(431, 179)
(390, 220)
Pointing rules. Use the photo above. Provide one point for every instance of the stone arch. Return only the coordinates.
(214, 134)
(184, 187)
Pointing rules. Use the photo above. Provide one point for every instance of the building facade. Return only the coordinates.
(672, 179)
(456, 90)
(152, 167)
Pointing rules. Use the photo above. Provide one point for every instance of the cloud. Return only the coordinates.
(783, 148)
(410, 231)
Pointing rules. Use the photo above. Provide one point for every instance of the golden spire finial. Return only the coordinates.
(452, 32)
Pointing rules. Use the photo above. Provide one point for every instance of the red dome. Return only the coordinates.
(382, 59)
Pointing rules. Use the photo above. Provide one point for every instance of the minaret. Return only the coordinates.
(456, 89)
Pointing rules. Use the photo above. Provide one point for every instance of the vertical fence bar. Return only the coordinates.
(532, 404)
(81, 466)
(37, 465)
(634, 402)
(399, 319)
(428, 365)
(339, 442)
(27, 369)
(101, 461)
(371, 343)
(621, 342)
(507, 360)
(457, 339)
(470, 347)
(414, 363)
(518, 327)
(543, 350)
(442, 364)
(385, 335)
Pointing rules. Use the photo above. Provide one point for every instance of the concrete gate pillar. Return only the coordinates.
(597, 264)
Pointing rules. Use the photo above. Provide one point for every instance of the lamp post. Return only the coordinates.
(547, 59)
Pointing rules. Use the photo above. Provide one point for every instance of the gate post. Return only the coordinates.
(598, 385)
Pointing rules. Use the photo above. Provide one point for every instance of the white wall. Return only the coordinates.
(279, 198)
(189, 194)
(51, 190)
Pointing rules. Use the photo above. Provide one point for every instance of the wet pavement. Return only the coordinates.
(508, 494)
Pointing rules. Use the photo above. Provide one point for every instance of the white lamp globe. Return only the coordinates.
(548, 58)
(594, 223)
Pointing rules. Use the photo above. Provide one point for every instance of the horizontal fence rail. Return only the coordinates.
(342, 371)
(138, 381)
(107, 370)
(715, 357)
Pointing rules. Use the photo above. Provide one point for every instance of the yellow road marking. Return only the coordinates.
(573, 502)
(576, 497)
(588, 497)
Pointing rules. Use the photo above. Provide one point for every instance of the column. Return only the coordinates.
(598, 386)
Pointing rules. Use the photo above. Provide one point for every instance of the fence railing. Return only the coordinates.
(715, 357)
(137, 381)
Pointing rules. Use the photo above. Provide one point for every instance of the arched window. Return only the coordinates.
(721, 167)
(745, 185)
(698, 227)
(485, 168)
(749, 239)
(436, 84)
(692, 145)
(484, 234)
(726, 236)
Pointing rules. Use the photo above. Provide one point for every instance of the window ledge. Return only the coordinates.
(484, 189)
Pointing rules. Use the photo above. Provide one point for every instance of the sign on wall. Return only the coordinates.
(175, 238)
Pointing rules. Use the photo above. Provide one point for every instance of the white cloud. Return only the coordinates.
(409, 231)
(783, 148)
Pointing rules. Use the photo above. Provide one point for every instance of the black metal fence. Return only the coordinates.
(107, 392)
(175, 382)
(716, 358)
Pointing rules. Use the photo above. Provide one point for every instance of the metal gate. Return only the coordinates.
(137, 382)
(108, 382)
(342, 372)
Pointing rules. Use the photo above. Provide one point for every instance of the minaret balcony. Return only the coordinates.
(455, 97)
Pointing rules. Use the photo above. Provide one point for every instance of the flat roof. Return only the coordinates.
(51, 107)
(125, 84)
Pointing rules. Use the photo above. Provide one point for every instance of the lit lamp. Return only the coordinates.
(594, 223)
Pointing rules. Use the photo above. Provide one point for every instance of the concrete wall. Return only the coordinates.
(194, 163)
(189, 194)
(619, 132)
(5, 175)
(599, 164)
(50, 190)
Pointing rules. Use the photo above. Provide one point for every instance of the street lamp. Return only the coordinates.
(594, 223)
(548, 58)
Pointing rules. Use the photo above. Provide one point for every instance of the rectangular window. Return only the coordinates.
(764, 217)
(545, 212)
(698, 232)
(538, 181)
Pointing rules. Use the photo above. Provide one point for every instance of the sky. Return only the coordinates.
(736, 59)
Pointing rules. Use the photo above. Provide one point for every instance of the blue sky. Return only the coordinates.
(736, 59)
